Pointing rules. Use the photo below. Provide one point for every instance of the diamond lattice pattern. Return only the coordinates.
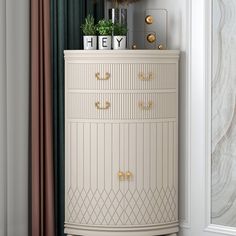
(135, 207)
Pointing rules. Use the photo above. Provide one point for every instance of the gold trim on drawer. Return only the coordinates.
(147, 77)
(147, 106)
(105, 107)
(107, 76)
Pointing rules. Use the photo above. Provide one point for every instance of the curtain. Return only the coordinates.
(66, 18)
(42, 187)
(14, 117)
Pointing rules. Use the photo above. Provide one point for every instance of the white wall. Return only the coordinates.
(14, 86)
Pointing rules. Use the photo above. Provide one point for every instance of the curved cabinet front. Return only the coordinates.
(121, 106)
(121, 160)
(121, 76)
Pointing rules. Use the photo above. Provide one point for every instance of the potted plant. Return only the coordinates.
(89, 31)
(119, 36)
(104, 29)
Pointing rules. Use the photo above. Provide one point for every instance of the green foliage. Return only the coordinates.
(89, 27)
(105, 27)
(119, 29)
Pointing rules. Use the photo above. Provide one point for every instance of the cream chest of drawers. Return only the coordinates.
(121, 139)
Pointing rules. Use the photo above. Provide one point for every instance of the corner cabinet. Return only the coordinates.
(121, 139)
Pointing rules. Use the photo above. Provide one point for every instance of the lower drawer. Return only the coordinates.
(121, 105)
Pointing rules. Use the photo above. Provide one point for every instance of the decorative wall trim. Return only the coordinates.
(208, 75)
(225, 230)
(186, 223)
(198, 226)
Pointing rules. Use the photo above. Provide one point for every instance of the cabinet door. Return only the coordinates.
(94, 193)
(151, 191)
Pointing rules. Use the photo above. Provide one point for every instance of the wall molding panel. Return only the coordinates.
(221, 230)
(186, 150)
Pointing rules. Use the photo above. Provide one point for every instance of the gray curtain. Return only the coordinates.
(14, 99)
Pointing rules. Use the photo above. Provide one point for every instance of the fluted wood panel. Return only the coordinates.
(122, 105)
(151, 194)
(96, 153)
(122, 76)
(136, 133)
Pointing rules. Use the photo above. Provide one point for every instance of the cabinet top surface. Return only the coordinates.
(121, 53)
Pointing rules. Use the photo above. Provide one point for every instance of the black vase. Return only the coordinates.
(113, 14)
(118, 15)
(123, 16)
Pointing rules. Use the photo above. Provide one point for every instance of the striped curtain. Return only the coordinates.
(41, 140)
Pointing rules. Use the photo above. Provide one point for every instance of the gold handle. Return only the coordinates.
(149, 19)
(121, 175)
(151, 38)
(99, 107)
(128, 175)
(145, 78)
(107, 76)
(147, 106)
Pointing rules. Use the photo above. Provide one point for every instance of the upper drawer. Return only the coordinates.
(121, 76)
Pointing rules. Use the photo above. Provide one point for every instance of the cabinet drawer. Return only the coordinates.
(121, 105)
(121, 76)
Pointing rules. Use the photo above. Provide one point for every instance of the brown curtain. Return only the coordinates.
(42, 186)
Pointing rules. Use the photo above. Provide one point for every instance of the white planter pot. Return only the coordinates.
(90, 42)
(104, 42)
(119, 42)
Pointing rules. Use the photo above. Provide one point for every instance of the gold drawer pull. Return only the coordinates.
(145, 78)
(147, 106)
(107, 76)
(128, 175)
(99, 107)
(121, 175)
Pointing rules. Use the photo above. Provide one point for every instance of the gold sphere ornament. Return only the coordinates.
(151, 38)
(161, 47)
(149, 19)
